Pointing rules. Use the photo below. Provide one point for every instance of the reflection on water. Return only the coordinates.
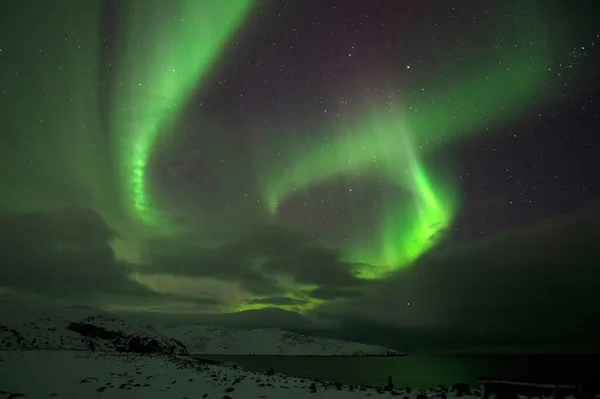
(425, 371)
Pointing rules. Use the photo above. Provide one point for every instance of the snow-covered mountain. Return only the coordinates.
(82, 328)
(78, 328)
(210, 339)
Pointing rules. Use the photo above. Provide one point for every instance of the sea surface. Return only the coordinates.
(426, 371)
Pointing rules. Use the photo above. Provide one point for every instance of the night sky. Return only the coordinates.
(420, 174)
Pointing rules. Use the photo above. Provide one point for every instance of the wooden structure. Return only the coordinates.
(514, 389)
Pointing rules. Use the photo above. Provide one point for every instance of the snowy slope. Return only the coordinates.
(77, 328)
(83, 375)
(209, 339)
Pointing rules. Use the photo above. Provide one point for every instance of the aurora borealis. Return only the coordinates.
(246, 154)
(160, 68)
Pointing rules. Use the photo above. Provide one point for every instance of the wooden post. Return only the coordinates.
(484, 394)
(390, 384)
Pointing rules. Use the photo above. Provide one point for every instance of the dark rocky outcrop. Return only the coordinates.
(124, 342)
(81, 329)
(10, 335)
(461, 389)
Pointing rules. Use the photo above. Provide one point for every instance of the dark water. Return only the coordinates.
(427, 371)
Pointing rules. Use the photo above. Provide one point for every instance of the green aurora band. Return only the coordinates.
(410, 228)
(391, 142)
(384, 150)
(161, 68)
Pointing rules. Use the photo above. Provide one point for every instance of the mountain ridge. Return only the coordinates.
(208, 339)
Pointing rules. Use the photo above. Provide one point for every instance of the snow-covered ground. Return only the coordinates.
(209, 339)
(82, 375)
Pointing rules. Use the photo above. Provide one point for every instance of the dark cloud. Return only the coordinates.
(64, 251)
(529, 276)
(531, 286)
(277, 301)
(254, 261)
(314, 265)
(67, 254)
(535, 285)
(247, 319)
(271, 316)
(185, 258)
(328, 293)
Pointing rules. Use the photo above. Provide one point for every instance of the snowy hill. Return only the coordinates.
(78, 328)
(209, 339)
(81, 328)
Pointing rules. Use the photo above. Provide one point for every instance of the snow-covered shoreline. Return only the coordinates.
(80, 374)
